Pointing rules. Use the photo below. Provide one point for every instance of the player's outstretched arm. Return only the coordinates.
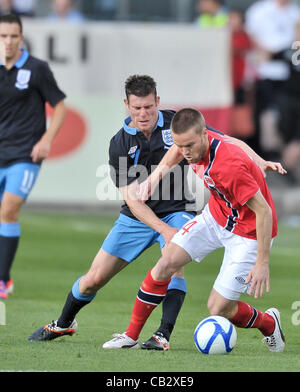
(259, 275)
(263, 164)
(144, 213)
(170, 159)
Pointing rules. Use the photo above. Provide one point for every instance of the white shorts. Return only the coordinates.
(202, 235)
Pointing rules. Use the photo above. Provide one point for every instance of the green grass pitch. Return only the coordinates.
(56, 249)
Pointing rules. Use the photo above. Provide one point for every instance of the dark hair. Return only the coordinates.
(140, 85)
(11, 18)
(187, 118)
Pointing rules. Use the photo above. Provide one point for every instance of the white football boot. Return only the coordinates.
(121, 340)
(276, 340)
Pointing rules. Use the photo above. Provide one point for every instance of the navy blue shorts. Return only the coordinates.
(129, 237)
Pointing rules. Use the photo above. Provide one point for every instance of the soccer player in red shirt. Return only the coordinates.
(240, 216)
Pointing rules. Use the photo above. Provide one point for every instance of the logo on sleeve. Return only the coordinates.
(23, 78)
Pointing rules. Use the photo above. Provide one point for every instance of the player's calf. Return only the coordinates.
(150, 294)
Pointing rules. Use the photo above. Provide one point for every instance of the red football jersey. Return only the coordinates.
(232, 178)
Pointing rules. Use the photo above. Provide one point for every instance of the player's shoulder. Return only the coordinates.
(168, 115)
(36, 62)
(214, 132)
(40, 68)
(118, 137)
(121, 142)
(227, 154)
(229, 150)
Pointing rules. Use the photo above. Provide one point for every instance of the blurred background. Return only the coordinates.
(238, 61)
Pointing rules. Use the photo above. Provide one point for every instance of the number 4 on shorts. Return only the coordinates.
(186, 228)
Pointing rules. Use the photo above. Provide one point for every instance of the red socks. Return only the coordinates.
(150, 294)
(249, 317)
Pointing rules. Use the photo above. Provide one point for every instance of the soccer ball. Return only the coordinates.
(215, 335)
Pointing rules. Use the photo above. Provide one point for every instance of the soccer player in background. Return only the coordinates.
(240, 216)
(141, 143)
(26, 84)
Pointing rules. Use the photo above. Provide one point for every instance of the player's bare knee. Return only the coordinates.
(10, 208)
(98, 280)
(91, 282)
(9, 214)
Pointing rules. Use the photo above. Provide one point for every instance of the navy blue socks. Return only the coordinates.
(9, 240)
(75, 301)
(171, 306)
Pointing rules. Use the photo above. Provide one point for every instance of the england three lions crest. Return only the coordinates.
(167, 137)
(23, 78)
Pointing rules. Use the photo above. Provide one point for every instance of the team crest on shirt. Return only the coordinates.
(23, 78)
(209, 181)
(167, 137)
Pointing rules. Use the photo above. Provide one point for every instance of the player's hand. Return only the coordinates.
(168, 233)
(40, 151)
(259, 278)
(272, 166)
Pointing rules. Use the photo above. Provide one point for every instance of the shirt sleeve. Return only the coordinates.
(120, 165)
(47, 85)
(241, 185)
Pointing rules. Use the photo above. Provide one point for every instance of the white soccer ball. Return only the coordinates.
(215, 335)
